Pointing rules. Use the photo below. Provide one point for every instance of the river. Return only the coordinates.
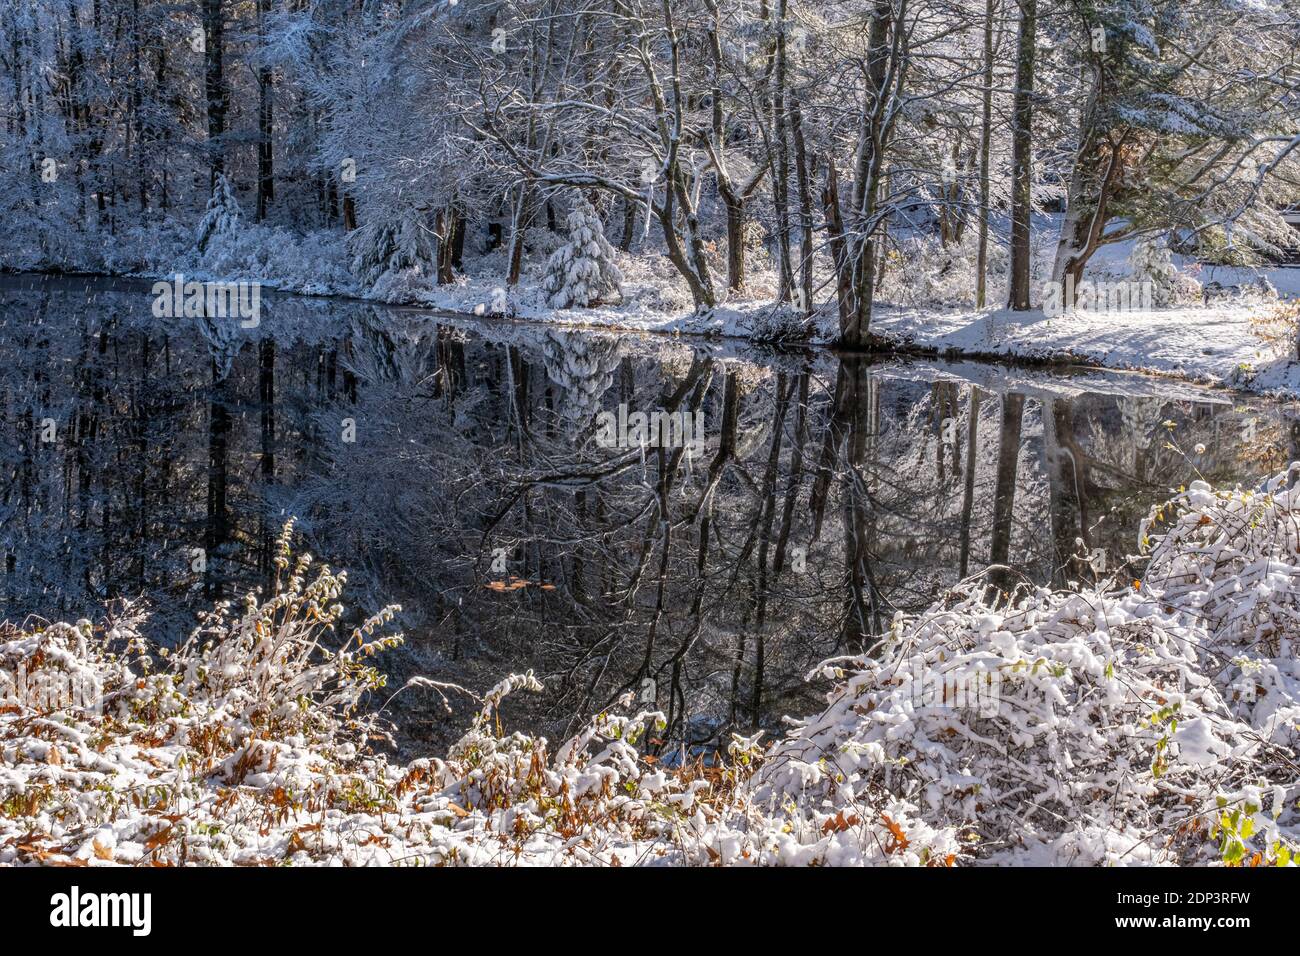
(492, 479)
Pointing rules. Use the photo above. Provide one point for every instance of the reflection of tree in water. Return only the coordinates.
(829, 494)
(1135, 451)
(379, 350)
(582, 369)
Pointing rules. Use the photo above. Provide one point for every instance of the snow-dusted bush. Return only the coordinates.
(401, 286)
(221, 215)
(151, 248)
(395, 243)
(1278, 328)
(1106, 743)
(920, 270)
(1153, 264)
(539, 242)
(249, 744)
(312, 263)
(1231, 560)
(783, 324)
(1257, 291)
(652, 284)
(1152, 722)
(582, 272)
(1156, 723)
(255, 712)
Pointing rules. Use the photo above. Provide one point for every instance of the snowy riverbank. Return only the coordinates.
(1233, 342)
(1231, 346)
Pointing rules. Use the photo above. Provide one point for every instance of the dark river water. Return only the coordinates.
(492, 479)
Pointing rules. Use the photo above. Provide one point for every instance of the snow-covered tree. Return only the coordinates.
(582, 271)
(838, 129)
(1153, 263)
(222, 214)
(1169, 132)
(386, 244)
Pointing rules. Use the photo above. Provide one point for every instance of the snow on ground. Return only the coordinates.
(1213, 344)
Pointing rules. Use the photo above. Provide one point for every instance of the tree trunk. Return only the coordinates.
(781, 163)
(838, 241)
(804, 175)
(735, 208)
(1092, 181)
(446, 232)
(265, 125)
(629, 225)
(986, 139)
(214, 83)
(1004, 495)
(1022, 159)
(518, 227)
(859, 258)
(459, 228)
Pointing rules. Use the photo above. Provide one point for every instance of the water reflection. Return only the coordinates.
(460, 469)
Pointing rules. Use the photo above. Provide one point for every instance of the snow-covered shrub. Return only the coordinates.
(152, 248)
(1155, 721)
(1255, 292)
(653, 284)
(235, 746)
(400, 286)
(1278, 328)
(920, 270)
(582, 272)
(391, 244)
(541, 243)
(279, 257)
(1153, 264)
(1106, 745)
(776, 325)
(1230, 559)
(256, 718)
(221, 215)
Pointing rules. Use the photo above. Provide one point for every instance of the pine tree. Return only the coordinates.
(582, 271)
(222, 214)
(1154, 264)
(1166, 137)
(387, 244)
